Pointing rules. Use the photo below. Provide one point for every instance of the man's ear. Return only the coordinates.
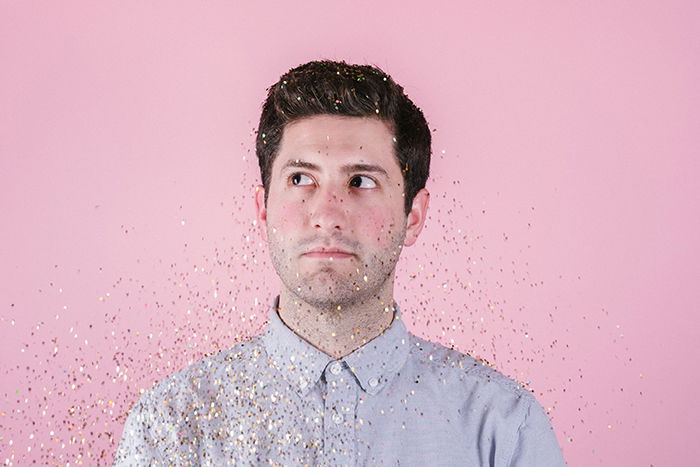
(416, 217)
(261, 211)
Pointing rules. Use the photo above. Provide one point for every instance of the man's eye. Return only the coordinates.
(301, 179)
(360, 181)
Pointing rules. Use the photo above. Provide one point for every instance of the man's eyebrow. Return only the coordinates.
(364, 168)
(299, 164)
(349, 168)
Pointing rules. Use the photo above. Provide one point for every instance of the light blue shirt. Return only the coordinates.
(397, 400)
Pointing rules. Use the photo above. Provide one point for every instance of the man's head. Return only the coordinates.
(336, 88)
(341, 149)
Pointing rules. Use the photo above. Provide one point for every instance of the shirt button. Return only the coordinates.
(336, 368)
(303, 384)
(373, 382)
(337, 418)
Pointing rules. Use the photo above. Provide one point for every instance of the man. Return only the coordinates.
(336, 379)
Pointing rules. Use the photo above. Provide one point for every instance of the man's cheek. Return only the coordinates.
(381, 225)
(287, 219)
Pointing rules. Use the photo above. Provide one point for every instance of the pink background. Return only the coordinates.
(561, 245)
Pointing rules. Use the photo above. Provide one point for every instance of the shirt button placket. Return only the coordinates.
(340, 406)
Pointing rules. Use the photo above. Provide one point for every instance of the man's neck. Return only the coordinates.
(337, 332)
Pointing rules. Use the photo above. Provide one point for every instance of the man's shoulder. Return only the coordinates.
(206, 375)
(455, 369)
(494, 405)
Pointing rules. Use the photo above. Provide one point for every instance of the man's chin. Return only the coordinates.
(330, 285)
(328, 291)
(330, 274)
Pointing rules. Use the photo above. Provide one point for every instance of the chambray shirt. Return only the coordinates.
(397, 400)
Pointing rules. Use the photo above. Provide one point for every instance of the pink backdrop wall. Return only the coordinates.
(562, 244)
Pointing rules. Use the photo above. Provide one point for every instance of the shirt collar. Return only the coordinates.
(301, 364)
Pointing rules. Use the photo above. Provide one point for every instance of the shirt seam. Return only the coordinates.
(516, 436)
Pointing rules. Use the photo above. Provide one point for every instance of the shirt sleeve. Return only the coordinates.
(536, 442)
(137, 446)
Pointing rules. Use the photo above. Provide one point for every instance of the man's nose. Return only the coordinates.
(329, 211)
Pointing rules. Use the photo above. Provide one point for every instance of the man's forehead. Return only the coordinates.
(347, 140)
(337, 130)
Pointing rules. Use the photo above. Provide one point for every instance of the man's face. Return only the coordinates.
(335, 219)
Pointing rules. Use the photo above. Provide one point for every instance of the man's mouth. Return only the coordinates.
(328, 252)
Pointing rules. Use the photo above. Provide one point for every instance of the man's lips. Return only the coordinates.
(328, 252)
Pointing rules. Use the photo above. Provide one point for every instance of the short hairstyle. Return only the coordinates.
(337, 88)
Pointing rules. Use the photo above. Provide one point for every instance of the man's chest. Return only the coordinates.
(331, 425)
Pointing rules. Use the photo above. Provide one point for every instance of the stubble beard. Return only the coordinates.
(332, 287)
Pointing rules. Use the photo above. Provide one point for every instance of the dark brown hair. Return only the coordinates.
(338, 88)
